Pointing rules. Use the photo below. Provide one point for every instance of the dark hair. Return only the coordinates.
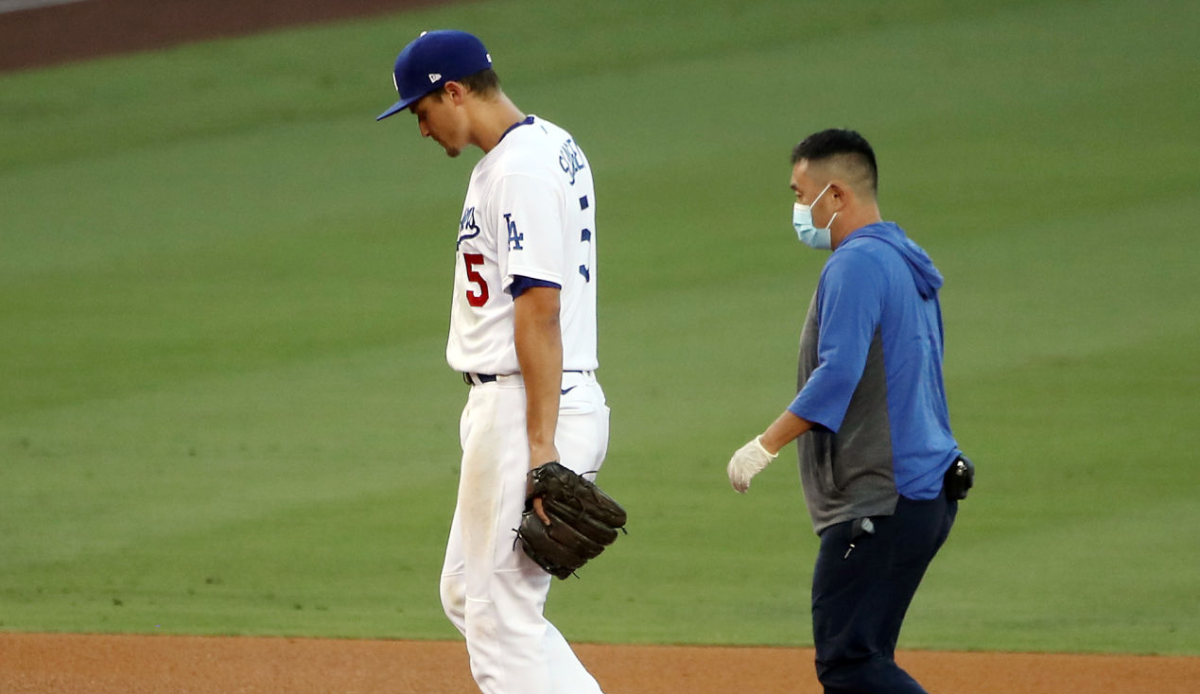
(846, 145)
(484, 83)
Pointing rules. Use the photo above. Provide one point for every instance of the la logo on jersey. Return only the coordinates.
(514, 237)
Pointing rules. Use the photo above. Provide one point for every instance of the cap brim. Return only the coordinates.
(398, 107)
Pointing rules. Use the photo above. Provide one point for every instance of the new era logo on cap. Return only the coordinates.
(432, 59)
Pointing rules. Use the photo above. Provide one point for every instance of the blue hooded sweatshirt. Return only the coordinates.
(870, 378)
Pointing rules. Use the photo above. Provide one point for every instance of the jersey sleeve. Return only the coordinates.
(529, 218)
(850, 304)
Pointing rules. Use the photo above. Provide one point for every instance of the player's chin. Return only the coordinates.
(452, 152)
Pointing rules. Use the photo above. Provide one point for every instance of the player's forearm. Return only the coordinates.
(787, 428)
(538, 340)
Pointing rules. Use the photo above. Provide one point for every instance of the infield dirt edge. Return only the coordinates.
(108, 664)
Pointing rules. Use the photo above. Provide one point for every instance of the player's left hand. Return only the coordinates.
(540, 509)
(536, 501)
(583, 520)
(748, 461)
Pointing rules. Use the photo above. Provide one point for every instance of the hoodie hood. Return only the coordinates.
(927, 277)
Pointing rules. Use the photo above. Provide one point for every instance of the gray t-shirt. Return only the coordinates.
(847, 475)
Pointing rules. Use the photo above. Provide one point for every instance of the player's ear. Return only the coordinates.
(456, 91)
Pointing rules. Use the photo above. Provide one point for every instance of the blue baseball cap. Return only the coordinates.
(431, 60)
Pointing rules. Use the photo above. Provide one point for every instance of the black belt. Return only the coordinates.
(482, 378)
(479, 379)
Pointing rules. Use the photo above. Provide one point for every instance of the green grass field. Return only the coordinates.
(224, 293)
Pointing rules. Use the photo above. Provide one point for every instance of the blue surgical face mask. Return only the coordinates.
(802, 222)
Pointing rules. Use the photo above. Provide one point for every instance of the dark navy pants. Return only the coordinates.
(859, 601)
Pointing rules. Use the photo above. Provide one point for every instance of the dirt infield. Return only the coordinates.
(77, 664)
(80, 29)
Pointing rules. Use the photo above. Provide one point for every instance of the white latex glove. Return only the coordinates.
(748, 461)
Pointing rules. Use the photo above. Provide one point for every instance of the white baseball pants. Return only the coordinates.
(490, 590)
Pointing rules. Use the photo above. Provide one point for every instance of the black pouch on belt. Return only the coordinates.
(959, 479)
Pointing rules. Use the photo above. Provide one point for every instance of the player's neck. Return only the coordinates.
(493, 119)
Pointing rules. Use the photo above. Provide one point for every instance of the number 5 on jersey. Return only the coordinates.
(478, 297)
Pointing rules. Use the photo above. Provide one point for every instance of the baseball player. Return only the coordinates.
(523, 333)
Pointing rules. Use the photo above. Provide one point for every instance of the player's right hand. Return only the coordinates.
(748, 461)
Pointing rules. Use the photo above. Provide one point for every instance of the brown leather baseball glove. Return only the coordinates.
(583, 520)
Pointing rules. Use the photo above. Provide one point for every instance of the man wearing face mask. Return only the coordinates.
(881, 470)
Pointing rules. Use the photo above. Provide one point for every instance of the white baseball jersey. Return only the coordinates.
(531, 212)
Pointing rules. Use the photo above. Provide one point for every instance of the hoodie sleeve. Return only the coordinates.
(849, 304)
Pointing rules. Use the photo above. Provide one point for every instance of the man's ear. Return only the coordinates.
(456, 91)
(841, 194)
